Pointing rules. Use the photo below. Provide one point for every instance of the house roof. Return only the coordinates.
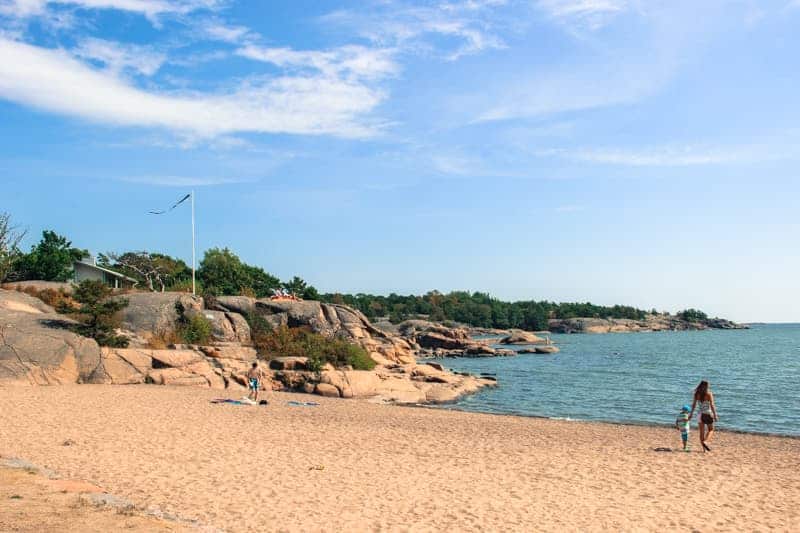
(107, 271)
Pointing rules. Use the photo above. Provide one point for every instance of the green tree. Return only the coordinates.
(693, 315)
(10, 237)
(98, 313)
(51, 259)
(223, 273)
(299, 287)
(260, 281)
(157, 272)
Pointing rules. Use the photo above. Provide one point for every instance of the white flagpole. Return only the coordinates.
(193, 249)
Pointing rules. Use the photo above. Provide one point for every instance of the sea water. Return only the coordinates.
(646, 378)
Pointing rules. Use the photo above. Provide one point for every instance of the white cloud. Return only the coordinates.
(591, 14)
(226, 33)
(401, 25)
(351, 61)
(120, 56)
(149, 8)
(304, 104)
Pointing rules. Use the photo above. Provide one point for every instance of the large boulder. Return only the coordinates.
(151, 313)
(175, 376)
(546, 349)
(289, 363)
(433, 340)
(37, 346)
(243, 305)
(122, 366)
(227, 326)
(522, 337)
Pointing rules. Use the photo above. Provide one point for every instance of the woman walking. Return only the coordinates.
(706, 412)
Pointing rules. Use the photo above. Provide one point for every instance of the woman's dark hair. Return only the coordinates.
(701, 391)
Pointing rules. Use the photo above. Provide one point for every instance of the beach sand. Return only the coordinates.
(350, 465)
(30, 502)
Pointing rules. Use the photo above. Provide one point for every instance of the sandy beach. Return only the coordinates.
(348, 465)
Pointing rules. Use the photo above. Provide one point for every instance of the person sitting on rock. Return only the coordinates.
(254, 376)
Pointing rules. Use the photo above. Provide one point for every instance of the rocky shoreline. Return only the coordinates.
(37, 347)
(648, 324)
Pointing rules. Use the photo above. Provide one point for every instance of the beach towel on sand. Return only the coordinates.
(243, 401)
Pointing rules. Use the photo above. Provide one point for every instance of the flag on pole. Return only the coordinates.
(176, 204)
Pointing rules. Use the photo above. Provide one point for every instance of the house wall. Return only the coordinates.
(84, 271)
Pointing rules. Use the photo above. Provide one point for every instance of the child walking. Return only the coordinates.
(682, 423)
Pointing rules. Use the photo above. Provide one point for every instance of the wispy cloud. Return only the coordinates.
(627, 66)
(397, 24)
(149, 8)
(356, 62)
(220, 31)
(583, 14)
(673, 156)
(121, 56)
(304, 104)
(582, 87)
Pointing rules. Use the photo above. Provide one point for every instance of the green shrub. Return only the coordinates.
(301, 342)
(194, 329)
(197, 330)
(98, 314)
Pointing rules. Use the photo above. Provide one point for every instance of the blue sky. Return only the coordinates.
(607, 150)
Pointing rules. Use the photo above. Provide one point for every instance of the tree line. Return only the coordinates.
(222, 273)
(477, 309)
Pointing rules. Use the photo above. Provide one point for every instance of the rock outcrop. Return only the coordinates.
(218, 367)
(330, 320)
(149, 313)
(624, 325)
(437, 340)
(424, 383)
(522, 337)
(228, 326)
(37, 346)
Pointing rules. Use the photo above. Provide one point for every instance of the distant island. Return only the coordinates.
(482, 311)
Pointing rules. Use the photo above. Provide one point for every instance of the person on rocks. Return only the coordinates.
(254, 377)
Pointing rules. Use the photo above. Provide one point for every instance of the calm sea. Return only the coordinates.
(647, 377)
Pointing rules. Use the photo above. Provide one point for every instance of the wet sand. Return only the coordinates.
(356, 466)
